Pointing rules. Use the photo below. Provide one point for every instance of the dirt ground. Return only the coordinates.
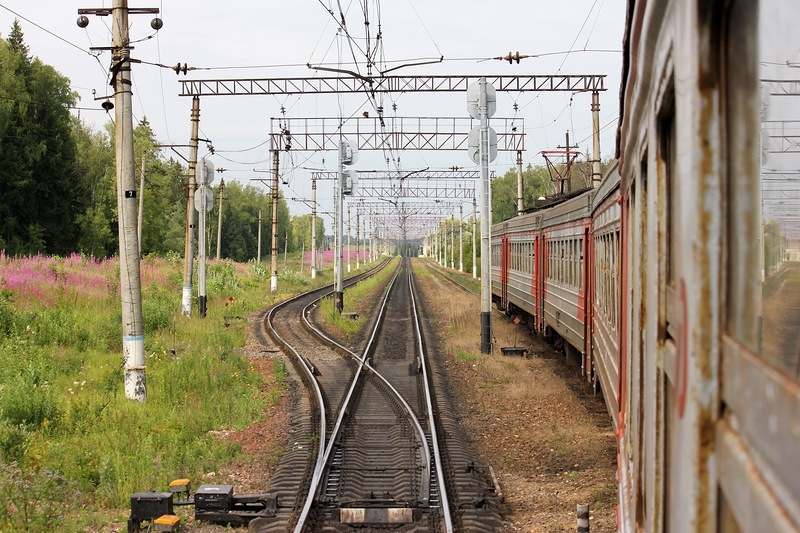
(548, 438)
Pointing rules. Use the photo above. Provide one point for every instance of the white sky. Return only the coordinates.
(282, 37)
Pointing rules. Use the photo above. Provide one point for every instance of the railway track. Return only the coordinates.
(373, 449)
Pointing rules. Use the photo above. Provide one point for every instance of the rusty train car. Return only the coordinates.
(653, 280)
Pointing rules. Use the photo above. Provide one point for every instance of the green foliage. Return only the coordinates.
(7, 314)
(221, 278)
(34, 499)
(37, 155)
(158, 311)
(536, 182)
(27, 399)
(461, 355)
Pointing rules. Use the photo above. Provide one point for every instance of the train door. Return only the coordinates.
(505, 259)
(584, 264)
(535, 275)
(543, 259)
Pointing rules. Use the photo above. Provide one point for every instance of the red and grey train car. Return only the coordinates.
(544, 272)
(656, 279)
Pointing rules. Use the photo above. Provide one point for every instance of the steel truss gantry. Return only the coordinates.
(406, 220)
(390, 84)
(390, 133)
(432, 184)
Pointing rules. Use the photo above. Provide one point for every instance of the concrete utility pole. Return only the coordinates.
(474, 239)
(358, 239)
(452, 241)
(313, 228)
(520, 206)
(130, 279)
(486, 291)
(338, 284)
(188, 256)
(274, 249)
(219, 222)
(348, 239)
(596, 176)
(461, 238)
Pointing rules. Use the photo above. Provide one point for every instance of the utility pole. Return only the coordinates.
(596, 176)
(452, 241)
(461, 238)
(203, 202)
(274, 249)
(219, 222)
(313, 228)
(348, 239)
(520, 206)
(358, 239)
(130, 278)
(474, 239)
(188, 270)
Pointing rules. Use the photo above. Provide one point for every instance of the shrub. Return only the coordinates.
(158, 311)
(33, 500)
(27, 399)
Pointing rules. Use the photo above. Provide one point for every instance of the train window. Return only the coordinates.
(780, 186)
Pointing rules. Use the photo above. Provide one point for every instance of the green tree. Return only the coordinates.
(535, 183)
(164, 209)
(301, 232)
(95, 172)
(240, 221)
(41, 196)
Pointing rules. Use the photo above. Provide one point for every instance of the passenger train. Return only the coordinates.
(653, 281)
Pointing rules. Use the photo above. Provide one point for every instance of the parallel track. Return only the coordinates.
(376, 462)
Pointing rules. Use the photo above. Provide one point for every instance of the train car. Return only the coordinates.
(564, 237)
(657, 277)
(709, 428)
(516, 280)
(604, 260)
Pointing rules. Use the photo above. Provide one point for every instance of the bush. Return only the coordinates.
(27, 399)
(33, 500)
(13, 442)
(7, 315)
(158, 311)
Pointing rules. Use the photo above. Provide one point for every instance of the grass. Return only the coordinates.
(359, 298)
(462, 355)
(66, 429)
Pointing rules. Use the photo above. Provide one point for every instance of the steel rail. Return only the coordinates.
(308, 372)
(313, 492)
(431, 417)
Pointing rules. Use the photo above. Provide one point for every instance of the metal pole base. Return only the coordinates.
(201, 304)
(486, 332)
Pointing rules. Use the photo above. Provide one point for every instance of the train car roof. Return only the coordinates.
(608, 184)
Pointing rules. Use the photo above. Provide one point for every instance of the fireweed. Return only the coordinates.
(62, 405)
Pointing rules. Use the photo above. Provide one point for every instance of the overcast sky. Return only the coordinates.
(245, 39)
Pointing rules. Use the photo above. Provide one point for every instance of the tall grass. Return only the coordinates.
(66, 428)
(359, 299)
